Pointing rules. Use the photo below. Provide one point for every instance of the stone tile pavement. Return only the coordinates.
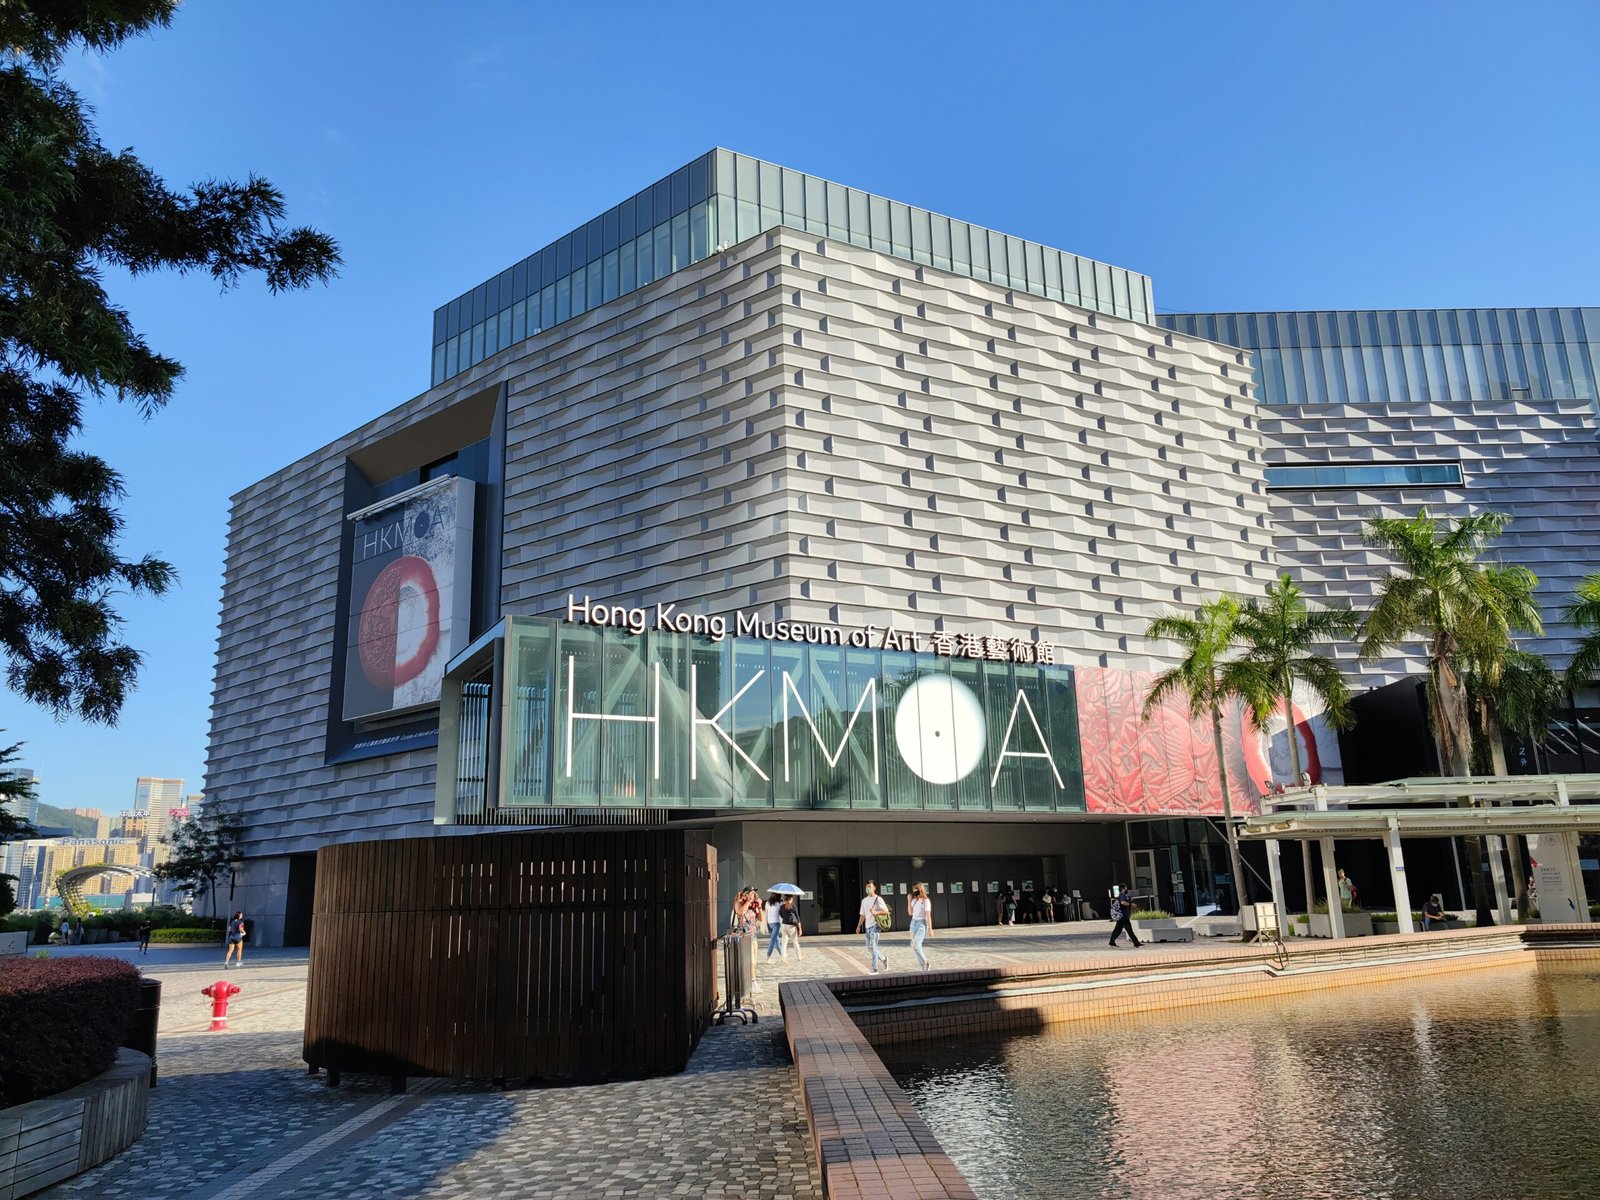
(236, 1117)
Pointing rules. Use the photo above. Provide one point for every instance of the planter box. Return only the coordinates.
(45, 1141)
(1355, 925)
(1163, 930)
(1382, 927)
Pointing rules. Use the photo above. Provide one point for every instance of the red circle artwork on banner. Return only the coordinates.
(381, 659)
(1255, 742)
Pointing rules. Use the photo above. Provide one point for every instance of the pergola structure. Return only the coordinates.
(69, 884)
(1550, 810)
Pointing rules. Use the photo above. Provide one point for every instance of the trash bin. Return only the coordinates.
(146, 1017)
(735, 980)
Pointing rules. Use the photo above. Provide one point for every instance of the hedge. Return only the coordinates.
(63, 1020)
(211, 937)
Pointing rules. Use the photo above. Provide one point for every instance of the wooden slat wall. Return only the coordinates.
(554, 955)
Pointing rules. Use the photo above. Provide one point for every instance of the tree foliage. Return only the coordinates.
(1583, 610)
(199, 850)
(13, 826)
(69, 209)
(1280, 634)
(1209, 674)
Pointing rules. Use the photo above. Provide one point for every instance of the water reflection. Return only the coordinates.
(1485, 1084)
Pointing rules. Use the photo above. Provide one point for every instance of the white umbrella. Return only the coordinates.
(786, 889)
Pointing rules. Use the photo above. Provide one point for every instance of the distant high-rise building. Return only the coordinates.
(158, 797)
(27, 809)
(102, 823)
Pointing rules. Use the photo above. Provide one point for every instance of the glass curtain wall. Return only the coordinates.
(1419, 355)
(723, 198)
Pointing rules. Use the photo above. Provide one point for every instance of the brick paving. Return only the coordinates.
(236, 1116)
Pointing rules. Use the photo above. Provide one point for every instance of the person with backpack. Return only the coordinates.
(236, 937)
(1122, 914)
(875, 918)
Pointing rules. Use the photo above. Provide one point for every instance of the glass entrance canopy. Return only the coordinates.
(541, 717)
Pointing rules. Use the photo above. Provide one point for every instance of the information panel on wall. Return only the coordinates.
(410, 597)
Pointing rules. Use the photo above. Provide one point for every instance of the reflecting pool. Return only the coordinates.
(1482, 1084)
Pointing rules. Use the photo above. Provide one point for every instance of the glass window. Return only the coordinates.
(610, 275)
(878, 223)
(663, 249)
(452, 356)
(980, 252)
(505, 329)
(1119, 295)
(746, 182)
(858, 222)
(1050, 264)
(921, 236)
(563, 299)
(816, 206)
(1033, 256)
(592, 295)
(959, 254)
(580, 291)
(999, 269)
(726, 229)
(794, 199)
(1366, 475)
(1069, 277)
(547, 306)
(519, 320)
(680, 241)
(838, 212)
(749, 220)
(646, 256)
(680, 191)
(899, 229)
(941, 242)
(699, 231)
(771, 186)
(1016, 262)
(438, 364)
(629, 275)
(477, 343)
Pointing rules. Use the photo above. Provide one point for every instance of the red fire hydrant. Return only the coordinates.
(220, 992)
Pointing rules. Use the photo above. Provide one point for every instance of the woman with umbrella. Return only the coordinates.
(789, 917)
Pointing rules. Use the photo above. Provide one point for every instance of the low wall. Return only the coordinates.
(15, 943)
(867, 1134)
(45, 1141)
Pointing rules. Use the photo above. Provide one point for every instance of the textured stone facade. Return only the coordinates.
(795, 424)
(1537, 459)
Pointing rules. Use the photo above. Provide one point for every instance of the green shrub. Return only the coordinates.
(63, 1020)
(1151, 914)
(1321, 906)
(201, 937)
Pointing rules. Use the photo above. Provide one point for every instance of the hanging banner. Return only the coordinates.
(410, 597)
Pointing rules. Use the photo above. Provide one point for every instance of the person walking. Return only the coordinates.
(1347, 890)
(920, 909)
(144, 936)
(1122, 914)
(789, 920)
(873, 908)
(775, 927)
(236, 936)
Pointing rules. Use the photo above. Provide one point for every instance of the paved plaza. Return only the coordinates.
(237, 1116)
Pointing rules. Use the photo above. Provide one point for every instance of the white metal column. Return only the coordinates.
(1397, 873)
(1330, 884)
(1497, 872)
(1275, 877)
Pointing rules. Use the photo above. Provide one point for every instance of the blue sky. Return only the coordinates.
(1246, 156)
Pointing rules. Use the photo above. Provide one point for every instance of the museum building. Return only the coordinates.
(834, 525)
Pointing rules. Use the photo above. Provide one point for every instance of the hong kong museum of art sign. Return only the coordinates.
(663, 708)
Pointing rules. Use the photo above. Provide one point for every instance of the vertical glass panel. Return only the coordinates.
(610, 275)
(629, 273)
(859, 223)
(902, 787)
(1102, 287)
(1069, 277)
(838, 212)
(960, 255)
(504, 339)
(547, 306)
(921, 237)
(899, 229)
(452, 356)
(941, 242)
(1119, 294)
(726, 231)
(663, 249)
(1037, 279)
(980, 252)
(700, 231)
(477, 342)
(529, 743)
(999, 268)
(816, 206)
(771, 186)
(563, 298)
(580, 291)
(680, 240)
(754, 724)
(1050, 264)
(1088, 294)
(580, 667)
(1017, 262)
(592, 291)
(747, 186)
(748, 222)
(794, 199)
(644, 257)
(438, 363)
(519, 320)
(878, 223)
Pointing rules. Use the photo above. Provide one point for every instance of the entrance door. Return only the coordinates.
(827, 903)
(1145, 880)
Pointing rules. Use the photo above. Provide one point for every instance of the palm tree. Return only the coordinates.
(1278, 636)
(1584, 612)
(1208, 678)
(1440, 593)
